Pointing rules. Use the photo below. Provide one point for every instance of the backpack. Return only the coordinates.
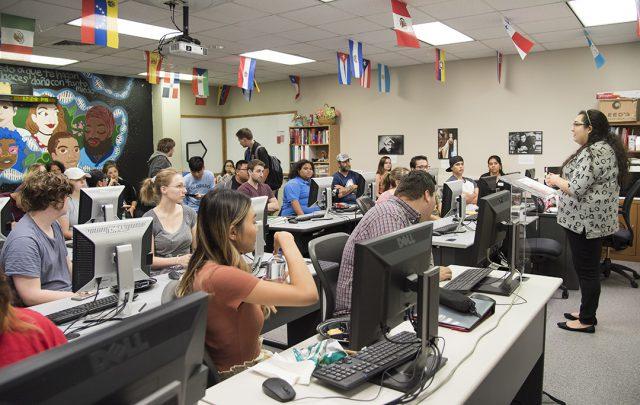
(276, 177)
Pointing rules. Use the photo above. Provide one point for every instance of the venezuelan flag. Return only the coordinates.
(100, 22)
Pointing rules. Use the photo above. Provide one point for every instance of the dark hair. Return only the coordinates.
(96, 176)
(55, 139)
(196, 163)
(108, 165)
(297, 166)
(165, 145)
(254, 163)
(43, 190)
(224, 171)
(55, 163)
(244, 133)
(241, 162)
(381, 163)
(414, 160)
(414, 184)
(600, 131)
(497, 158)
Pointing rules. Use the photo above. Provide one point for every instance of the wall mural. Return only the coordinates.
(89, 125)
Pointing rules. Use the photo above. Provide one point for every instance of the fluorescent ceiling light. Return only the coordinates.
(597, 12)
(327, 1)
(182, 76)
(137, 29)
(37, 59)
(436, 33)
(277, 57)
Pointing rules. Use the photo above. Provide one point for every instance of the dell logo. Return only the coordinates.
(405, 241)
(117, 353)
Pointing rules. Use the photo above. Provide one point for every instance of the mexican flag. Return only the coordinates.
(16, 34)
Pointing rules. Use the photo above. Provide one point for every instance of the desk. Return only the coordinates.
(453, 248)
(509, 362)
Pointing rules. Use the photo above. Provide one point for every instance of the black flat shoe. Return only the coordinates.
(570, 317)
(588, 329)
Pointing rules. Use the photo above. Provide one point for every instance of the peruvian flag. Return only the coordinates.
(246, 72)
(402, 25)
(365, 79)
(523, 45)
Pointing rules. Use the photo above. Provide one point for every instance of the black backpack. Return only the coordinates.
(276, 176)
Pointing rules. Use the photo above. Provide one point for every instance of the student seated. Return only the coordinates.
(412, 203)
(255, 186)
(384, 167)
(174, 224)
(23, 332)
(228, 171)
(198, 183)
(495, 166)
(345, 180)
(34, 256)
(469, 188)
(238, 301)
(55, 167)
(296, 191)
(390, 183)
(241, 176)
(78, 180)
(420, 162)
(110, 169)
(97, 179)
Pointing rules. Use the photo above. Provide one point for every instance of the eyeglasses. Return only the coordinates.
(577, 124)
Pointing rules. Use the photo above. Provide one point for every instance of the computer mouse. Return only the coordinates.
(292, 221)
(278, 389)
(174, 275)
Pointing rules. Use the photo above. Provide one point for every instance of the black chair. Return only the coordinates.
(542, 250)
(622, 239)
(365, 203)
(326, 254)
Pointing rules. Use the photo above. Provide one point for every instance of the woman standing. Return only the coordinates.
(228, 171)
(588, 207)
(494, 163)
(384, 167)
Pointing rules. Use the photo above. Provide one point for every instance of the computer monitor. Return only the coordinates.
(451, 190)
(433, 171)
(114, 253)
(367, 185)
(100, 204)
(259, 205)
(553, 169)
(6, 217)
(320, 192)
(530, 173)
(152, 358)
(381, 295)
(487, 185)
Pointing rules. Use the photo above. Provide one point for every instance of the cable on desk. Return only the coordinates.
(554, 399)
(98, 281)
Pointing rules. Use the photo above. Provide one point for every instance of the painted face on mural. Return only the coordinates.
(46, 118)
(67, 152)
(7, 112)
(97, 138)
(8, 153)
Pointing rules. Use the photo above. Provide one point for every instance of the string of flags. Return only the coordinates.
(597, 56)
(100, 23)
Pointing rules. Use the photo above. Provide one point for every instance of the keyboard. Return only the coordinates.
(467, 280)
(351, 372)
(73, 313)
(445, 229)
(308, 217)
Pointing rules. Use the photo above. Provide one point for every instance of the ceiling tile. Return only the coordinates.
(613, 29)
(277, 6)
(318, 15)
(60, 52)
(42, 11)
(338, 44)
(556, 36)
(85, 67)
(424, 54)
(230, 13)
(131, 54)
(462, 24)
(573, 43)
(474, 54)
(264, 42)
(384, 35)
(386, 19)
(514, 4)
(504, 45)
(196, 24)
(395, 59)
(479, 34)
(364, 7)
(418, 3)
(556, 24)
(351, 26)
(8, 3)
(112, 60)
(271, 24)
(465, 47)
(135, 11)
(456, 8)
(66, 3)
(307, 34)
(232, 33)
(616, 39)
(539, 13)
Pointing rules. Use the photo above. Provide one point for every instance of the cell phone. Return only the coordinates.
(83, 295)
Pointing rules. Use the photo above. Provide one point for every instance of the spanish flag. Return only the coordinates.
(100, 23)
(154, 63)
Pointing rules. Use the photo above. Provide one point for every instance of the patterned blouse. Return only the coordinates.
(592, 204)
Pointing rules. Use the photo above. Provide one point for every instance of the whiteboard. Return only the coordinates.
(265, 129)
(207, 130)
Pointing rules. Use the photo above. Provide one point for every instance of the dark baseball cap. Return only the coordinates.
(453, 160)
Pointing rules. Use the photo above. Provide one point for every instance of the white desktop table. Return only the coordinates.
(508, 358)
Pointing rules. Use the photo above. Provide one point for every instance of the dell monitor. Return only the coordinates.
(101, 204)
(152, 358)
(367, 185)
(530, 173)
(115, 253)
(451, 198)
(320, 191)
(6, 217)
(259, 205)
(487, 185)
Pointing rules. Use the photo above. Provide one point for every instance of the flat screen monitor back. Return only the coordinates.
(93, 199)
(317, 185)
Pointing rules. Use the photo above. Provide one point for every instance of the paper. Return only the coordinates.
(289, 370)
(525, 160)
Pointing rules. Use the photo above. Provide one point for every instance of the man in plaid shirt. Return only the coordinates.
(412, 203)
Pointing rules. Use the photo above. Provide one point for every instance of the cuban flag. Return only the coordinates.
(384, 79)
(246, 72)
(523, 45)
(295, 82)
(597, 56)
(405, 35)
(344, 71)
(355, 51)
(365, 79)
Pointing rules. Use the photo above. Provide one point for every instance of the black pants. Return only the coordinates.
(586, 260)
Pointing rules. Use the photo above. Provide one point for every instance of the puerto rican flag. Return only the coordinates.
(295, 82)
(365, 79)
(523, 45)
(246, 73)
(403, 26)
(344, 71)
(355, 51)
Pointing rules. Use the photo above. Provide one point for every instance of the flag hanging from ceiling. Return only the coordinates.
(597, 56)
(355, 56)
(255, 85)
(344, 70)
(154, 63)
(201, 101)
(247, 94)
(100, 23)
(365, 80)
(16, 34)
(223, 93)
(295, 82)
(499, 65)
(246, 72)
(523, 45)
(405, 35)
(384, 79)
(440, 68)
(200, 83)
(171, 85)
(638, 17)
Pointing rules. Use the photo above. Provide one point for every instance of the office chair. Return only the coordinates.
(326, 255)
(622, 239)
(365, 203)
(542, 250)
(168, 295)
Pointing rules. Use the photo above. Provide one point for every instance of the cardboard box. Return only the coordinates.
(620, 110)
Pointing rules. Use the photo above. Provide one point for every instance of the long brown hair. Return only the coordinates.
(150, 190)
(9, 320)
(381, 163)
(391, 179)
(32, 127)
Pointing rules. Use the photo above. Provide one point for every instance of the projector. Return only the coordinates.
(187, 49)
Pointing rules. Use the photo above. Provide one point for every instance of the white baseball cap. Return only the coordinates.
(76, 173)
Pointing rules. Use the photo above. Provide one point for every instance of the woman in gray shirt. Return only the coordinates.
(174, 224)
(588, 206)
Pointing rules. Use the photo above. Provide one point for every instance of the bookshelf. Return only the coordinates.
(629, 134)
(312, 142)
